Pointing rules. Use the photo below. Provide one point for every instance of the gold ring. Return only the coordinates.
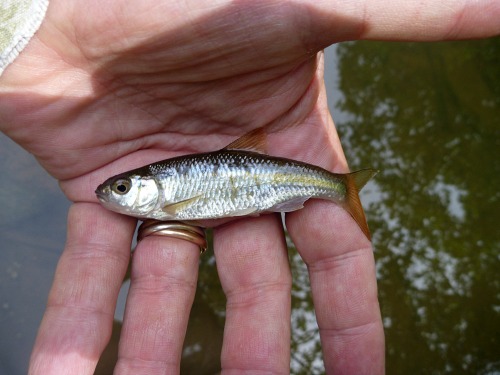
(174, 229)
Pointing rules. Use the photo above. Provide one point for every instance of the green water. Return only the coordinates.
(427, 116)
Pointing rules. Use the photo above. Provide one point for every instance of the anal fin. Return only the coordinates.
(246, 212)
(293, 204)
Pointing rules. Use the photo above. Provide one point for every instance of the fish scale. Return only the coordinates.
(230, 182)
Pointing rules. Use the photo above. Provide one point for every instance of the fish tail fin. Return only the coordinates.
(354, 183)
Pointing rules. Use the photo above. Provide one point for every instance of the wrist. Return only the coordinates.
(20, 21)
(32, 86)
(48, 61)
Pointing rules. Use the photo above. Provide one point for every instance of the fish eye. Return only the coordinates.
(121, 186)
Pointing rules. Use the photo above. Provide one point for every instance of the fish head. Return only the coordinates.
(133, 195)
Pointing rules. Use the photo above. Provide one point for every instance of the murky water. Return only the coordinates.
(427, 116)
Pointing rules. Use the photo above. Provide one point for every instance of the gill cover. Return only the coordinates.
(134, 195)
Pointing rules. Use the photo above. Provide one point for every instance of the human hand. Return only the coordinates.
(103, 90)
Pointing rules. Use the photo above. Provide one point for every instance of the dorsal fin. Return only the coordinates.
(255, 140)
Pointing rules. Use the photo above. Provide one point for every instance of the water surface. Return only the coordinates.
(428, 116)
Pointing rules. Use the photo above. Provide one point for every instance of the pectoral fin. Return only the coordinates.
(174, 208)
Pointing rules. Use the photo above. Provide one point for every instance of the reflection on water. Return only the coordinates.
(427, 116)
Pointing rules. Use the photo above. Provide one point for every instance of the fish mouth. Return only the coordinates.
(101, 195)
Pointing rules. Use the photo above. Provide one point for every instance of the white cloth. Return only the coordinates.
(19, 21)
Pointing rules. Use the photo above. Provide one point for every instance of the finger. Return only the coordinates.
(400, 20)
(77, 322)
(342, 274)
(253, 268)
(430, 20)
(163, 284)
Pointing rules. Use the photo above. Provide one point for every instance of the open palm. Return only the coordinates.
(106, 88)
(170, 81)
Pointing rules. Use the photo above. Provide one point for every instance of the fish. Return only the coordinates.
(238, 180)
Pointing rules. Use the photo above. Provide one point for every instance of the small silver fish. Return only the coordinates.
(238, 180)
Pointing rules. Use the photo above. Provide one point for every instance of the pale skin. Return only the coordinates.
(106, 88)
